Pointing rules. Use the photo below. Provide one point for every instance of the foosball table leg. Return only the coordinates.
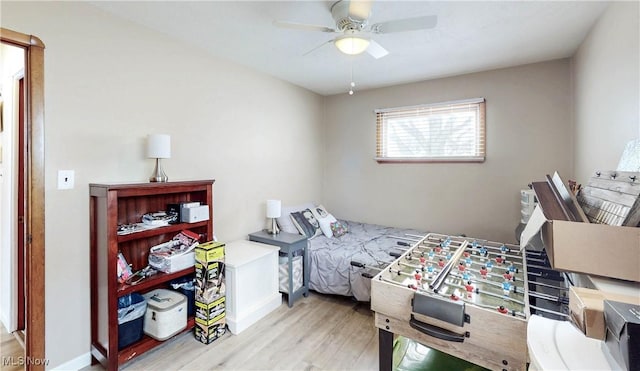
(385, 350)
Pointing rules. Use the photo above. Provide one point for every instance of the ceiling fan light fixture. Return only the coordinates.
(352, 45)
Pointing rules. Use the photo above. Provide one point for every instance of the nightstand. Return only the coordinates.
(289, 244)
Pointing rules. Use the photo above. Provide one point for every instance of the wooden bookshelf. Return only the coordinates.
(112, 205)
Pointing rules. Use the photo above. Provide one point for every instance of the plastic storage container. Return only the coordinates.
(166, 313)
(527, 204)
(131, 311)
(185, 286)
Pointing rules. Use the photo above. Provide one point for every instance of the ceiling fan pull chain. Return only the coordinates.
(353, 84)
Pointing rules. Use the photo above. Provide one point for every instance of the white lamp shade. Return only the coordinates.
(274, 208)
(352, 45)
(159, 146)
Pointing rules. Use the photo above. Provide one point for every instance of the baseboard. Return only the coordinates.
(77, 363)
(246, 319)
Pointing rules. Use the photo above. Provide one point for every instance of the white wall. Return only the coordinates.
(606, 74)
(528, 125)
(109, 83)
(12, 59)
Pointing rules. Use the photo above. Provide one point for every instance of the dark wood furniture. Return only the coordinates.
(112, 205)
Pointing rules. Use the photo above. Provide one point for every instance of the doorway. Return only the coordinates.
(31, 226)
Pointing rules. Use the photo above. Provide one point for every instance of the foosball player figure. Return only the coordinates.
(499, 259)
(469, 289)
(483, 272)
(430, 270)
(503, 310)
(489, 266)
(506, 287)
(507, 275)
(461, 267)
(441, 263)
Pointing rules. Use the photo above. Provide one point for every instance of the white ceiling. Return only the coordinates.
(469, 37)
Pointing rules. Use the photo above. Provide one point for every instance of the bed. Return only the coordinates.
(334, 244)
(330, 259)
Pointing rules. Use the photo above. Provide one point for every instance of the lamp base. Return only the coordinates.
(158, 173)
(274, 227)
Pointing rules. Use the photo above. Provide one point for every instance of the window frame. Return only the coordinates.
(480, 140)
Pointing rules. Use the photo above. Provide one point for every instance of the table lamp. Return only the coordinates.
(274, 209)
(158, 147)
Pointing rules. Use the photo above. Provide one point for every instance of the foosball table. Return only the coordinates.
(467, 297)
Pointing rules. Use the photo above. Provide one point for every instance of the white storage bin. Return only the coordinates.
(166, 313)
(284, 273)
(173, 262)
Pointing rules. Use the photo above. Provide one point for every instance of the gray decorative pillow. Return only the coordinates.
(304, 226)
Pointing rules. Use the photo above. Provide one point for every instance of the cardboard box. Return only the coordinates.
(208, 331)
(587, 309)
(599, 249)
(209, 285)
(209, 311)
(623, 332)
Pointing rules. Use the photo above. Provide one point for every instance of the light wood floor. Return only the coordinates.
(11, 351)
(319, 333)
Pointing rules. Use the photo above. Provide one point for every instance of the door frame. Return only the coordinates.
(34, 192)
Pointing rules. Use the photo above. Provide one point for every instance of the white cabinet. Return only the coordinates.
(252, 283)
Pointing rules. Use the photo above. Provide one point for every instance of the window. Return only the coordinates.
(441, 132)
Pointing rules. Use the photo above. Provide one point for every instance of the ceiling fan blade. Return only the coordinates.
(318, 47)
(408, 24)
(376, 50)
(360, 9)
(302, 26)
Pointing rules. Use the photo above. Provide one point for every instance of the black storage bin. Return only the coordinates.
(185, 285)
(131, 311)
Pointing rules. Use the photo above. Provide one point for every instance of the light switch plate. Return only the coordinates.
(65, 179)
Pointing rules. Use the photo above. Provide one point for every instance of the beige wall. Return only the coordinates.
(528, 136)
(606, 74)
(108, 84)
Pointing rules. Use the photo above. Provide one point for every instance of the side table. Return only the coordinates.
(289, 243)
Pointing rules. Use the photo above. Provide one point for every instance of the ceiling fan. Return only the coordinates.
(352, 20)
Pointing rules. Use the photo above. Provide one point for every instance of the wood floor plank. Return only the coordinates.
(320, 332)
(11, 351)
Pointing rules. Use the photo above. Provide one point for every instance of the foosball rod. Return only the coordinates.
(514, 262)
(438, 255)
(412, 238)
(484, 244)
(555, 299)
(420, 268)
(362, 265)
(485, 292)
(488, 282)
(559, 288)
(549, 311)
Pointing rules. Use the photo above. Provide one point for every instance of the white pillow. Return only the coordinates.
(325, 219)
(284, 221)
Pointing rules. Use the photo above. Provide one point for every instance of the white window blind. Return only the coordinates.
(442, 132)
